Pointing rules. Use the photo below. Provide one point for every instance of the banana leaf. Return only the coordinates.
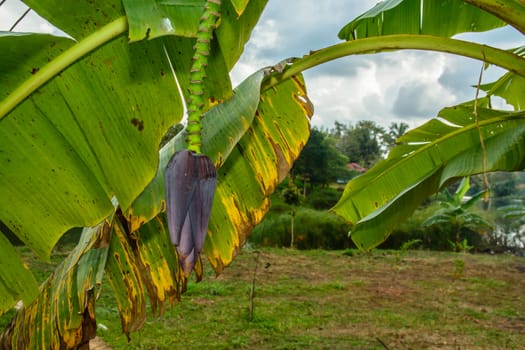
(440, 18)
(426, 159)
(82, 117)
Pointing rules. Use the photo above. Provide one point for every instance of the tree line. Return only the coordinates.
(340, 153)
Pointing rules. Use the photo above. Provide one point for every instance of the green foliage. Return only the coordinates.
(395, 131)
(435, 237)
(322, 198)
(320, 162)
(456, 211)
(313, 230)
(361, 143)
(461, 246)
(509, 234)
(291, 194)
(409, 244)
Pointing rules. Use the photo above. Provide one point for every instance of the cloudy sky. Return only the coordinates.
(409, 86)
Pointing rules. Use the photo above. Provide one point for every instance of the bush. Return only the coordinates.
(313, 230)
(323, 198)
(435, 237)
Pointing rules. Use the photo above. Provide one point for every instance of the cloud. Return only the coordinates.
(311, 26)
(12, 10)
(409, 86)
(421, 100)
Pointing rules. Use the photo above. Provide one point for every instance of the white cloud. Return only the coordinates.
(409, 86)
(12, 10)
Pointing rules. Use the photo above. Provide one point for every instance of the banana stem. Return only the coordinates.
(207, 25)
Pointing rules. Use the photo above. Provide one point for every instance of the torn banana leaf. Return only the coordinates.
(63, 314)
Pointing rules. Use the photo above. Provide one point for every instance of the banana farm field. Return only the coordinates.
(336, 300)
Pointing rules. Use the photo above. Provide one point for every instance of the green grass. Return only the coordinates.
(331, 300)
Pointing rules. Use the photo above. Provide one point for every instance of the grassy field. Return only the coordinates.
(341, 300)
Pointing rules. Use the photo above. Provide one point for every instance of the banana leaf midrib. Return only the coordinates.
(61, 62)
(395, 42)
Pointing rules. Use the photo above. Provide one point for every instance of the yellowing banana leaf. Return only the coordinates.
(159, 264)
(124, 276)
(253, 145)
(441, 18)
(63, 314)
(143, 260)
(261, 159)
(427, 158)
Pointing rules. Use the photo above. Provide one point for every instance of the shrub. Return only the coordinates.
(435, 237)
(314, 229)
(323, 198)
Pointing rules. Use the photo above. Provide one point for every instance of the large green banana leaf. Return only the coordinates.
(442, 149)
(427, 158)
(441, 18)
(90, 136)
(81, 120)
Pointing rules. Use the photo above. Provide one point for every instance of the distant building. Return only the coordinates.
(355, 167)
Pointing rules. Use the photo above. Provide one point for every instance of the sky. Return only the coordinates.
(406, 86)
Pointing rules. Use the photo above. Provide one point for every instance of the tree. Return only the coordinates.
(395, 131)
(320, 162)
(81, 122)
(361, 143)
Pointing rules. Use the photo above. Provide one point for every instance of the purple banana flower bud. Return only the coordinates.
(190, 186)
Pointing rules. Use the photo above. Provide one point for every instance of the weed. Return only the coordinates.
(459, 268)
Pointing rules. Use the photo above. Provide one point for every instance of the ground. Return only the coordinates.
(344, 300)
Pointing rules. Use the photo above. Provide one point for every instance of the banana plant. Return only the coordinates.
(466, 139)
(456, 211)
(81, 119)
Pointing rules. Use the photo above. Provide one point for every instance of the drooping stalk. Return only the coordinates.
(207, 25)
(498, 57)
